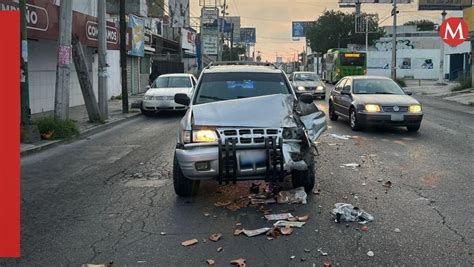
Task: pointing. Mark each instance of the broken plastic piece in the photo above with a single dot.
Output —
(387, 184)
(294, 196)
(286, 230)
(370, 253)
(219, 249)
(322, 252)
(238, 231)
(364, 228)
(215, 237)
(222, 204)
(396, 230)
(302, 218)
(239, 262)
(256, 232)
(351, 165)
(277, 217)
(211, 262)
(188, 243)
(289, 224)
(348, 213)
(341, 137)
(327, 264)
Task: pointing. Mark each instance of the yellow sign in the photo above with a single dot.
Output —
(351, 55)
(469, 18)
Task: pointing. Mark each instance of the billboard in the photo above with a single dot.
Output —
(209, 15)
(299, 28)
(209, 44)
(236, 22)
(188, 41)
(179, 12)
(376, 1)
(444, 4)
(248, 35)
(137, 25)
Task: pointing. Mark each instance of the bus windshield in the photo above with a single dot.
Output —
(352, 59)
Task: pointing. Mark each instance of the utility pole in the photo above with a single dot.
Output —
(30, 133)
(366, 34)
(103, 76)
(441, 53)
(63, 69)
(232, 43)
(221, 31)
(123, 56)
(394, 41)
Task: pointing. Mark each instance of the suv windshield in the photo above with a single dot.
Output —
(377, 86)
(234, 85)
(306, 77)
(171, 82)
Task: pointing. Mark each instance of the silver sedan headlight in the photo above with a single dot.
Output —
(320, 88)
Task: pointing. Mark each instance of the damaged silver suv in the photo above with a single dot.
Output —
(244, 122)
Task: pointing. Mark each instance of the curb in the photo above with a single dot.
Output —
(86, 133)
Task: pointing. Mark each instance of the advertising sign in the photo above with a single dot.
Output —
(209, 44)
(454, 31)
(43, 23)
(188, 41)
(209, 15)
(443, 4)
(179, 12)
(299, 28)
(236, 22)
(248, 35)
(137, 25)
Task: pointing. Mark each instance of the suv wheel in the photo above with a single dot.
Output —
(305, 178)
(355, 126)
(332, 113)
(183, 186)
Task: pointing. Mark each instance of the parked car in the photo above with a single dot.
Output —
(160, 94)
(308, 83)
(372, 100)
(244, 122)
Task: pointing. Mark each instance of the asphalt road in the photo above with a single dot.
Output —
(109, 198)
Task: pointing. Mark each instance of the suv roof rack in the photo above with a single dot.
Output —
(241, 63)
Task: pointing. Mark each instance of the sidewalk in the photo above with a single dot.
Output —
(79, 115)
(431, 88)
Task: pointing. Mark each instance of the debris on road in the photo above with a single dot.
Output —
(396, 230)
(255, 188)
(341, 137)
(322, 252)
(307, 250)
(294, 196)
(222, 204)
(364, 228)
(387, 184)
(207, 214)
(289, 224)
(348, 213)
(350, 165)
(215, 237)
(238, 231)
(188, 243)
(273, 233)
(95, 265)
(370, 253)
(256, 232)
(292, 257)
(162, 233)
(239, 262)
(278, 217)
(210, 262)
(317, 191)
(327, 264)
(286, 230)
(219, 249)
(302, 218)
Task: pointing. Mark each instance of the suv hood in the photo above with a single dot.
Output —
(262, 112)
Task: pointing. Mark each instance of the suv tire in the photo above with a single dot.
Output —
(332, 113)
(183, 186)
(305, 178)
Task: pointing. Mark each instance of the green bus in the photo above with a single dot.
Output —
(338, 63)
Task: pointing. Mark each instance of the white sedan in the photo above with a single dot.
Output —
(160, 95)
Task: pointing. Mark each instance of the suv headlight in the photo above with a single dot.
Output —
(372, 108)
(415, 109)
(301, 88)
(148, 97)
(204, 136)
(320, 88)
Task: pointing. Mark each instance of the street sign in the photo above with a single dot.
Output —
(248, 35)
(444, 4)
(209, 44)
(454, 31)
(299, 28)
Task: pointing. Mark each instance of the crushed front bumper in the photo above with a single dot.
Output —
(229, 161)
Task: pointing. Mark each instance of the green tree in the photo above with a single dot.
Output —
(422, 25)
(236, 52)
(335, 28)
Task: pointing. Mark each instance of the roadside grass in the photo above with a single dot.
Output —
(464, 82)
(53, 129)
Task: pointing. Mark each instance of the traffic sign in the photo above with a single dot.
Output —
(454, 31)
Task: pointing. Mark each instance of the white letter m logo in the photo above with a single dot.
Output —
(453, 34)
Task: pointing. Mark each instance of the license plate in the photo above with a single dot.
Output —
(398, 117)
(252, 157)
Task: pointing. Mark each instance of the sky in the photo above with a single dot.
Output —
(273, 18)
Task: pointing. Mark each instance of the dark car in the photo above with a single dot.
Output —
(372, 100)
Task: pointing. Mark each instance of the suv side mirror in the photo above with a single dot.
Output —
(408, 92)
(182, 99)
(306, 98)
(148, 87)
(290, 79)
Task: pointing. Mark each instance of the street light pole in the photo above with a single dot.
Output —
(441, 53)
(102, 43)
(123, 56)
(394, 42)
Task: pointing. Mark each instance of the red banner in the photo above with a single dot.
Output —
(10, 135)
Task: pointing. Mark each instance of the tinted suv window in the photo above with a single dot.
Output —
(235, 85)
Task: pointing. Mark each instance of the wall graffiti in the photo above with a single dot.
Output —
(401, 44)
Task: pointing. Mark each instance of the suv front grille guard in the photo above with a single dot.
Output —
(228, 166)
